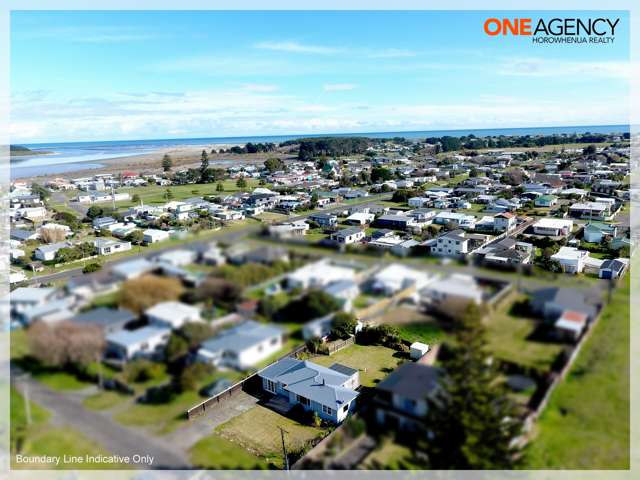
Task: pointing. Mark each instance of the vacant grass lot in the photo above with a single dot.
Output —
(413, 326)
(374, 362)
(586, 423)
(104, 400)
(508, 337)
(217, 453)
(257, 430)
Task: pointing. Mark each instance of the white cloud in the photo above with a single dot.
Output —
(339, 87)
(392, 53)
(542, 67)
(295, 47)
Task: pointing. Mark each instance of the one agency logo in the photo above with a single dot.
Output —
(555, 30)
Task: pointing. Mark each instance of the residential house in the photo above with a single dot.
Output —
(48, 252)
(590, 210)
(553, 227)
(458, 220)
(401, 400)
(329, 392)
(570, 325)
(108, 320)
(107, 246)
(397, 277)
(612, 269)
(545, 201)
(133, 268)
(595, 232)
(318, 274)
(571, 259)
(172, 314)
(324, 220)
(144, 342)
(359, 218)
(504, 222)
(25, 298)
(153, 236)
(347, 236)
(551, 303)
(242, 346)
(395, 222)
(177, 258)
(452, 295)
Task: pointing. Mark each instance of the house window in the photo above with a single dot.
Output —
(274, 340)
(409, 404)
(303, 400)
(270, 385)
(327, 410)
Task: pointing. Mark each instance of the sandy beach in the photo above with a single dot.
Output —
(183, 157)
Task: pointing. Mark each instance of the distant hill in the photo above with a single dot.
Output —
(20, 151)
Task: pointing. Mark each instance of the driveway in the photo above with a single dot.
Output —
(204, 425)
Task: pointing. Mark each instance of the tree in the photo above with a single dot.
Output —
(219, 187)
(177, 347)
(589, 150)
(219, 290)
(241, 183)
(168, 194)
(68, 219)
(343, 325)
(195, 333)
(314, 304)
(167, 163)
(136, 237)
(135, 198)
(204, 167)
(41, 191)
(52, 234)
(191, 376)
(65, 344)
(274, 164)
(472, 423)
(94, 211)
(380, 174)
(141, 293)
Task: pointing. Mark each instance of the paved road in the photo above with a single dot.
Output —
(117, 439)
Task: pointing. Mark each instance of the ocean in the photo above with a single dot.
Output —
(72, 156)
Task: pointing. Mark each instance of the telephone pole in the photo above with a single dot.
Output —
(284, 448)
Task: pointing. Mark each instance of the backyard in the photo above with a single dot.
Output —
(374, 362)
(586, 423)
(509, 336)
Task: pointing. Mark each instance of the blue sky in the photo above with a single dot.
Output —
(132, 75)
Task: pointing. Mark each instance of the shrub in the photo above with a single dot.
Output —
(139, 371)
(91, 267)
(343, 325)
(192, 375)
(141, 293)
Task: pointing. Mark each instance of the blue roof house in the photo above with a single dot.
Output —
(330, 392)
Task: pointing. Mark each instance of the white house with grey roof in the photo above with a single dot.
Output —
(145, 342)
(330, 392)
(172, 314)
(241, 346)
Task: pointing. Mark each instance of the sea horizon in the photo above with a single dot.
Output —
(67, 157)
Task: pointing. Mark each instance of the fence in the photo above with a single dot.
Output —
(333, 347)
(247, 383)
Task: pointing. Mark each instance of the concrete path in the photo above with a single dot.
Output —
(67, 409)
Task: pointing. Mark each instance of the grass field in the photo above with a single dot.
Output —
(104, 400)
(217, 453)
(374, 362)
(257, 430)
(586, 423)
(508, 339)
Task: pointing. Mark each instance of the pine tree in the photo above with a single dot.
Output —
(219, 187)
(471, 421)
(204, 167)
(241, 183)
(167, 163)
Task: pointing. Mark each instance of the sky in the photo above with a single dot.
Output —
(83, 76)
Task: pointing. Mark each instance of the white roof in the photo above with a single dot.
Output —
(398, 276)
(322, 270)
(423, 347)
(457, 284)
(569, 253)
(553, 223)
(172, 311)
(30, 294)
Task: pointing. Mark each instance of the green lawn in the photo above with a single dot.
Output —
(161, 418)
(374, 362)
(61, 380)
(425, 332)
(104, 400)
(586, 423)
(217, 453)
(389, 456)
(257, 431)
(508, 339)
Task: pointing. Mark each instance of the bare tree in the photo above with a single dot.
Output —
(65, 343)
(52, 234)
